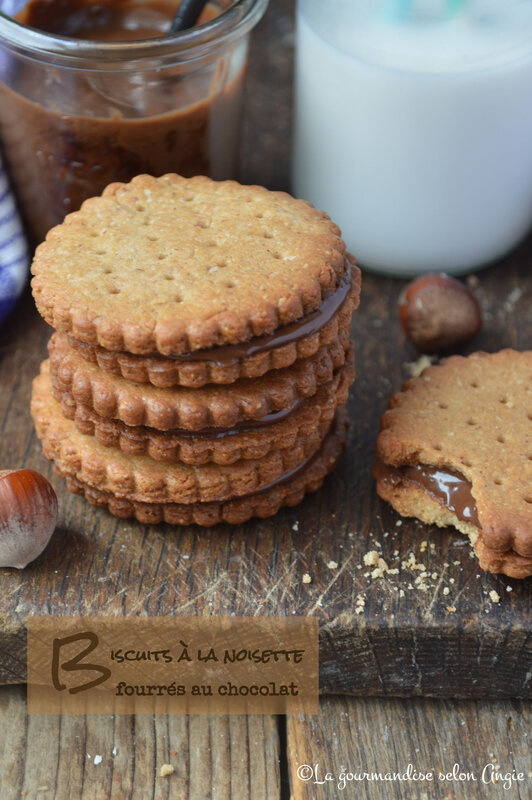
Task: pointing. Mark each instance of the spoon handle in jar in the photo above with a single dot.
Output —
(187, 15)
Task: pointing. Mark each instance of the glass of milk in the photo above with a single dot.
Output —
(413, 127)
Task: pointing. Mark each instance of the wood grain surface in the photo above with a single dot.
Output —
(120, 758)
(402, 641)
(386, 735)
(257, 758)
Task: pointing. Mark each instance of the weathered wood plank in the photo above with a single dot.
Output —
(119, 758)
(386, 735)
(407, 644)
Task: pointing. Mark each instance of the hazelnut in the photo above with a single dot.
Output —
(28, 516)
(438, 313)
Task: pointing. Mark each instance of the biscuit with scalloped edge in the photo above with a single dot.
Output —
(140, 478)
(470, 416)
(216, 406)
(309, 418)
(194, 372)
(170, 265)
(264, 503)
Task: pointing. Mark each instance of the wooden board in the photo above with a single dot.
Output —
(113, 758)
(369, 735)
(402, 642)
(256, 758)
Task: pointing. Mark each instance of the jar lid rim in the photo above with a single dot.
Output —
(238, 18)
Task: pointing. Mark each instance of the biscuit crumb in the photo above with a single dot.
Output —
(411, 563)
(371, 558)
(360, 604)
(451, 609)
(398, 523)
(513, 298)
(380, 569)
(332, 565)
(415, 368)
(446, 590)
(295, 526)
(306, 578)
(166, 769)
(420, 583)
(494, 597)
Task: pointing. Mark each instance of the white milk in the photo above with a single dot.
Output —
(416, 136)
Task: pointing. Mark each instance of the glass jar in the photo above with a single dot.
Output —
(76, 115)
(413, 128)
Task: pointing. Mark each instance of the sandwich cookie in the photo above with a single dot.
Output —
(252, 359)
(288, 491)
(309, 418)
(202, 351)
(172, 265)
(216, 406)
(455, 449)
(141, 480)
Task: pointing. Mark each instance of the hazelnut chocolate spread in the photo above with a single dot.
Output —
(293, 473)
(451, 489)
(225, 354)
(240, 427)
(104, 21)
(67, 133)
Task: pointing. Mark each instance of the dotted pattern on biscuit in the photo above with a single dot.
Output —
(473, 415)
(172, 265)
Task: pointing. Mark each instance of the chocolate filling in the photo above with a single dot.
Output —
(293, 332)
(227, 354)
(246, 426)
(451, 489)
(293, 473)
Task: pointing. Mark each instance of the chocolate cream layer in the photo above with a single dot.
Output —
(451, 489)
(286, 334)
(247, 426)
(338, 421)
(225, 355)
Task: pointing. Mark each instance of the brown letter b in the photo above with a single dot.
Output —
(73, 665)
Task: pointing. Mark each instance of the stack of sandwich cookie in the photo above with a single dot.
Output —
(202, 351)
